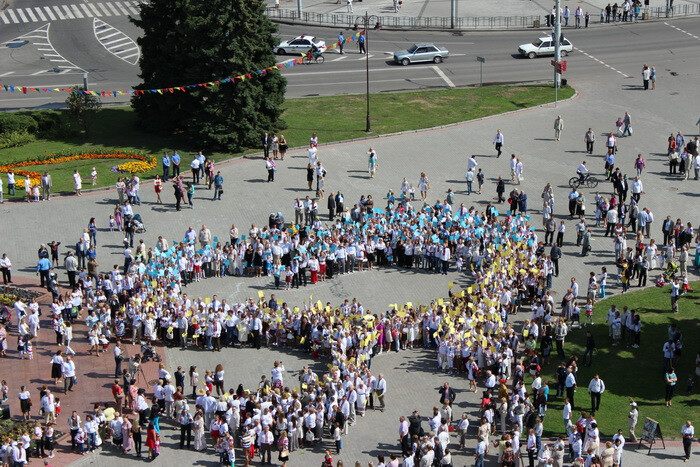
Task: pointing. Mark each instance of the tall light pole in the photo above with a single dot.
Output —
(556, 36)
(366, 18)
(299, 8)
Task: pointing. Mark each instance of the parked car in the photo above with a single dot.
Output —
(421, 53)
(300, 44)
(545, 46)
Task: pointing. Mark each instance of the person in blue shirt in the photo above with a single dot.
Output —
(175, 159)
(166, 166)
(361, 44)
(341, 41)
(218, 185)
(42, 269)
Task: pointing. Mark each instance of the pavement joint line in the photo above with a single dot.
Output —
(50, 14)
(442, 75)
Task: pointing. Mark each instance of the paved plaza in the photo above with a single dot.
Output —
(441, 153)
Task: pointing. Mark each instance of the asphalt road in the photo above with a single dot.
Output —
(59, 51)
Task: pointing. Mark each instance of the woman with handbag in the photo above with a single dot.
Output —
(283, 446)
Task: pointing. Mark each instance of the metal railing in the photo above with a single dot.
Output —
(408, 22)
(687, 9)
(441, 22)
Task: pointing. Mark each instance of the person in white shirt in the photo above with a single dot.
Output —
(498, 142)
(688, 432)
(276, 372)
(596, 388)
(566, 415)
(381, 391)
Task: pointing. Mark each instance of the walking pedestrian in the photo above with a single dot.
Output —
(498, 142)
(558, 127)
(688, 432)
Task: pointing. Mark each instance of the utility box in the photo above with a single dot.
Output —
(536, 24)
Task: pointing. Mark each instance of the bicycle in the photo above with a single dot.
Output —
(589, 181)
(317, 59)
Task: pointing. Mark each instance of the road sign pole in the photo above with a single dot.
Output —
(299, 8)
(85, 81)
(557, 51)
(481, 61)
(453, 10)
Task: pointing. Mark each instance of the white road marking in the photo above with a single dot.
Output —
(49, 13)
(121, 7)
(21, 15)
(87, 11)
(40, 13)
(6, 74)
(76, 11)
(442, 75)
(601, 62)
(122, 46)
(111, 7)
(13, 17)
(4, 18)
(342, 57)
(104, 8)
(331, 83)
(58, 12)
(39, 72)
(133, 6)
(365, 57)
(31, 15)
(121, 39)
(67, 12)
(94, 9)
(682, 30)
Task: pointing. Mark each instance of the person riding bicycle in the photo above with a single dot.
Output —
(312, 53)
(583, 172)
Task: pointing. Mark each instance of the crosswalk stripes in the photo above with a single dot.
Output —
(116, 42)
(70, 11)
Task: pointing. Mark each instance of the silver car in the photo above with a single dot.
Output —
(421, 53)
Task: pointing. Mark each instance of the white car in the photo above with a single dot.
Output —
(299, 45)
(545, 46)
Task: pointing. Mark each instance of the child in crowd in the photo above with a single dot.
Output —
(93, 175)
(589, 312)
(112, 223)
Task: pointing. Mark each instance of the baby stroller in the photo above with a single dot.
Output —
(139, 226)
(670, 271)
(149, 353)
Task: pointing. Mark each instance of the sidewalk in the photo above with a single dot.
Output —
(94, 374)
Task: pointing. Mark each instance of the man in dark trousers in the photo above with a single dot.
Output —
(555, 254)
(447, 394)
(266, 143)
(185, 420)
(331, 206)
(500, 189)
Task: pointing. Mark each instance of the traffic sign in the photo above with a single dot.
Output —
(481, 59)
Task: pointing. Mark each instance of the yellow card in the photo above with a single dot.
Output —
(462, 320)
(207, 300)
(409, 304)
(440, 301)
(469, 290)
(279, 302)
(450, 285)
(296, 309)
(261, 294)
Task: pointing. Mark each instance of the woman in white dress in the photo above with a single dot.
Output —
(243, 331)
(78, 182)
(275, 146)
(423, 186)
(200, 444)
(652, 251)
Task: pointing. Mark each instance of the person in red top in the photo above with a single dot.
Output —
(152, 441)
(118, 394)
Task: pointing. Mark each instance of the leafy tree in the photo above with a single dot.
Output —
(188, 42)
(83, 107)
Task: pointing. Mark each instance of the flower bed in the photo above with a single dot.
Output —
(139, 163)
(9, 295)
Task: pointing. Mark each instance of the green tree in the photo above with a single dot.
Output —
(189, 41)
(83, 107)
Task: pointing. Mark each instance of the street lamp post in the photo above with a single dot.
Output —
(366, 18)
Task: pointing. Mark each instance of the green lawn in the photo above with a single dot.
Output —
(333, 118)
(634, 373)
